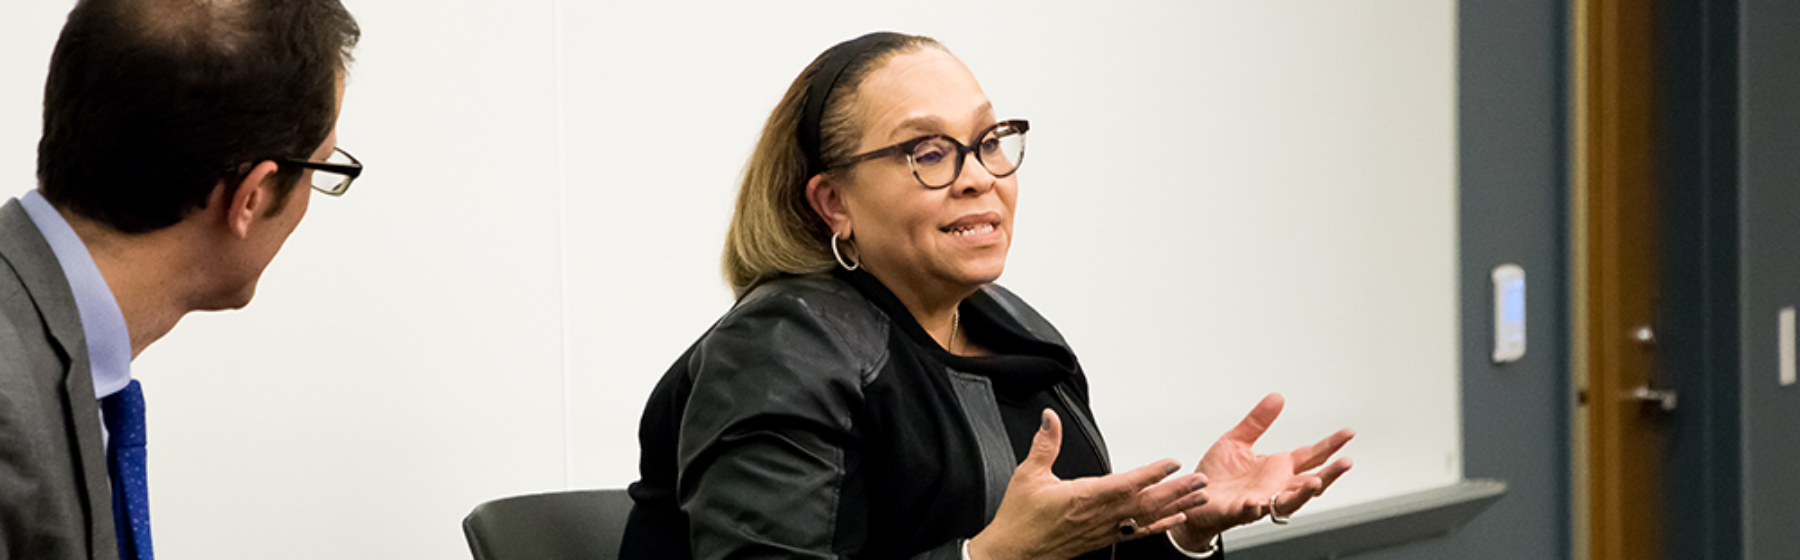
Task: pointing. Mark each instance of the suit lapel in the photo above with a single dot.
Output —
(26, 251)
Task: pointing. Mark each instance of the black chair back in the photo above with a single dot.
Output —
(583, 524)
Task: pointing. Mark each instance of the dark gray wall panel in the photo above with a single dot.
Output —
(1770, 121)
(1697, 342)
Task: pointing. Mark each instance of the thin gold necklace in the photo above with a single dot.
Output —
(955, 321)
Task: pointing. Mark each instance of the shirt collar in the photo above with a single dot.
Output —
(108, 338)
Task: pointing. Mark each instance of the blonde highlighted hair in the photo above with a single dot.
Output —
(774, 230)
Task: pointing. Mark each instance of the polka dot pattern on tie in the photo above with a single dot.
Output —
(125, 461)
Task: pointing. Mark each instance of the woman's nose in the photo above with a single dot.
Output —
(974, 180)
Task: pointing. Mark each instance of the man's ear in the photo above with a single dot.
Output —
(252, 198)
(826, 195)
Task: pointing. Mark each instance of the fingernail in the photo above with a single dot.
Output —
(1044, 420)
(1171, 468)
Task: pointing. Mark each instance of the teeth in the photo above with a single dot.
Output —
(972, 230)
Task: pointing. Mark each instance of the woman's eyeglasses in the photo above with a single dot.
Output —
(937, 159)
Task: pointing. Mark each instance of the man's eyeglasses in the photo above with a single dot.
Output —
(332, 176)
(937, 159)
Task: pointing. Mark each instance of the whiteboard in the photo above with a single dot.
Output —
(1221, 200)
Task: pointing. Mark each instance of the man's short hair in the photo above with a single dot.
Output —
(151, 103)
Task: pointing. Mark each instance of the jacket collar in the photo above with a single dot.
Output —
(991, 306)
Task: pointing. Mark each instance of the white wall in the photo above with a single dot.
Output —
(1221, 200)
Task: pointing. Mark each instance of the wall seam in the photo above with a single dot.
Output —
(562, 228)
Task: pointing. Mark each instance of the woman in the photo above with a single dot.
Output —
(874, 394)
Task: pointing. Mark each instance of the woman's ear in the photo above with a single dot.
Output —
(827, 198)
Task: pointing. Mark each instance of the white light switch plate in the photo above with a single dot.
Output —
(1787, 346)
(1509, 313)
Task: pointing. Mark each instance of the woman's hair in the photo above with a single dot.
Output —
(774, 230)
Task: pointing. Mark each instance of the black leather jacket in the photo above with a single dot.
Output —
(810, 422)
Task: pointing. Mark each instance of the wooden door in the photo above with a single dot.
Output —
(1619, 404)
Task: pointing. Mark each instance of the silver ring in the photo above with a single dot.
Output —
(1128, 527)
(1275, 516)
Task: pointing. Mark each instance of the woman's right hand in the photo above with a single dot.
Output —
(1043, 516)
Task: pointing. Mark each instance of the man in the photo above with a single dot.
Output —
(180, 141)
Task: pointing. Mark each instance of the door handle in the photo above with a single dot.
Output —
(1664, 398)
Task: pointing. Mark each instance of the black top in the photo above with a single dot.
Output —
(1024, 371)
(817, 419)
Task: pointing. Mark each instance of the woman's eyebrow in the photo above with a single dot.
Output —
(929, 124)
(985, 110)
(926, 124)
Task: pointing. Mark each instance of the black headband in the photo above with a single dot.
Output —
(818, 91)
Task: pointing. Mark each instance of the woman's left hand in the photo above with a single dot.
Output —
(1242, 482)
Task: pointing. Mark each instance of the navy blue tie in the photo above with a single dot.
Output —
(124, 413)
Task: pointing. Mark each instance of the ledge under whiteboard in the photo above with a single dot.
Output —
(1365, 527)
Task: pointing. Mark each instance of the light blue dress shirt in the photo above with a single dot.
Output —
(108, 339)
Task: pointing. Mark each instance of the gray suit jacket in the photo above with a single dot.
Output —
(55, 501)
